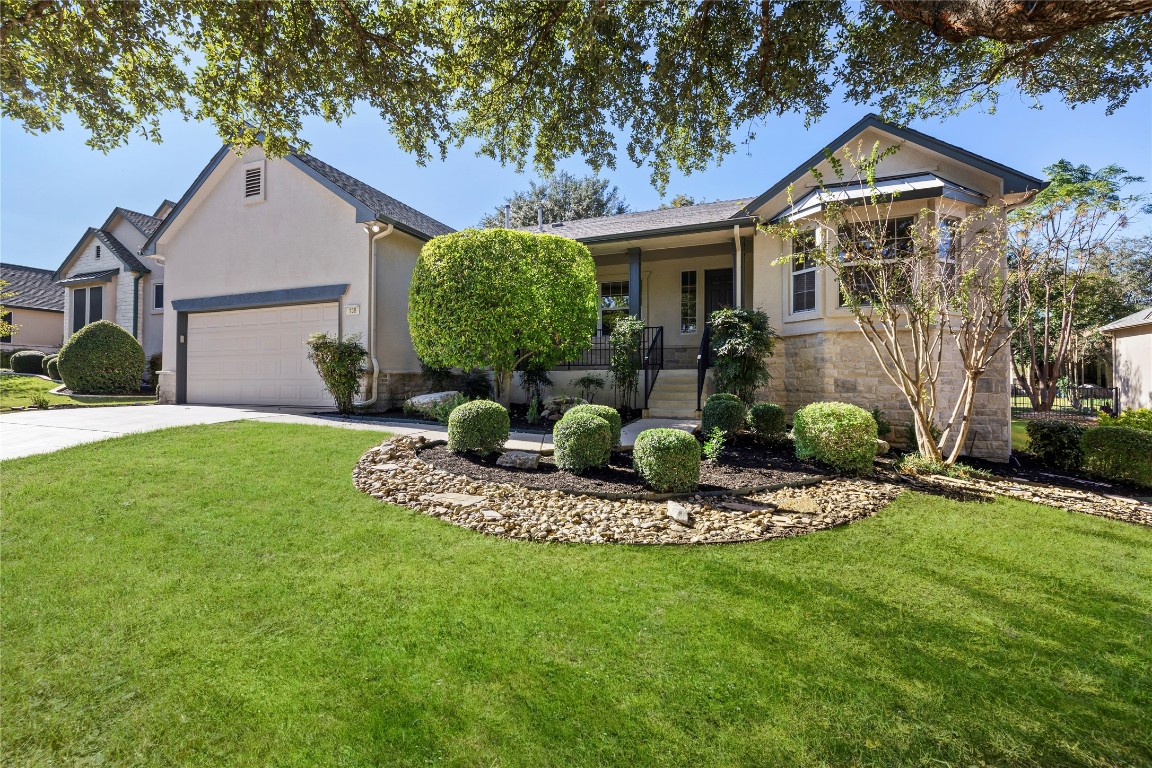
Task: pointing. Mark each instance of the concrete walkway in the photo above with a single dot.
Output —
(630, 431)
(26, 433)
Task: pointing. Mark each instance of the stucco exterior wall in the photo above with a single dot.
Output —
(39, 329)
(1132, 366)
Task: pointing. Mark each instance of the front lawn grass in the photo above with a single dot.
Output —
(17, 391)
(1020, 439)
(221, 595)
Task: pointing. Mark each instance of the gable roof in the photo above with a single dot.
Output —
(1014, 180)
(1141, 317)
(661, 221)
(370, 203)
(33, 286)
(142, 221)
(126, 257)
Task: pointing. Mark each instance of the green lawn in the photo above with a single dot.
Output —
(221, 595)
(18, 390)
(1020, 441)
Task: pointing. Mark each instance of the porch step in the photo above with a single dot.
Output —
(674, 395)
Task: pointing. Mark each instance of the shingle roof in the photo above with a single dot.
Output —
(385, 206)
(91, 277)
(33, 287)
(142, 221)
(1143, 317)
(122, 253)
(611, 227)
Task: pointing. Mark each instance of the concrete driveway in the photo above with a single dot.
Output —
(25, 433)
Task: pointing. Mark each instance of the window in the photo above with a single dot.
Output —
(254, 182)
(613, 303)
(158, 297)
(87, 306)
(879, 243)
(7, 319)
(688, 302)
(803, 273)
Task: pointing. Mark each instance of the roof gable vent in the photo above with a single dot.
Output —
(254, 182)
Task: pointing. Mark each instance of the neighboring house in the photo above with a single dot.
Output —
(105, 279)
(1132, 358)
(37, 308)
(262, 252)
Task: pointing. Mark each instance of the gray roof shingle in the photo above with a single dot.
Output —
(385, 206)
(1142, 317)
(102, 276)
(33, 287)
(142, 221)
(134, 264)
(611, 227)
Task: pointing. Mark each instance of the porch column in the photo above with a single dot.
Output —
(737, 268)
(634, 282)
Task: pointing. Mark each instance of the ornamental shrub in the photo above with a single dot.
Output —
(6, 356)
(1056, 444)
(627, 342)
(489, 298)
(481, 426)
(583, 441)
(1133, 418)
(28, 361)
(53, 368)
(742, 340)
(668, 460)
(722, 411)
(767, 421)
(609, 414)
(47, 359)
(100, 359)
(840, 435)
(338, 361)
(1119, 453)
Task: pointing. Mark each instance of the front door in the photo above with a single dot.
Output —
(717, 290)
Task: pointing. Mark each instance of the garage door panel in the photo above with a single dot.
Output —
(257, 356)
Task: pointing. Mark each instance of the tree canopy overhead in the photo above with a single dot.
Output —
(565, 197)
(537, 81)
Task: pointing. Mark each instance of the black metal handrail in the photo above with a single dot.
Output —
(703, 362)
(653, 361)
(599, 351)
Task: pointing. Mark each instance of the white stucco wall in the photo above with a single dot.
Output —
(1132, 366)
(40, 329)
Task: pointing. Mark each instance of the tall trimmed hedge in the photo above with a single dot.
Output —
(1119, 453)
(494, 298)
(101, 358)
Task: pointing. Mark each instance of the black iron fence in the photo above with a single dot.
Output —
(599, 351)
(1075, 403)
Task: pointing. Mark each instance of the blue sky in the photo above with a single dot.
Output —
(52, 187)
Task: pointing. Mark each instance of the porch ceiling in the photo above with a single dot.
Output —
(676, 246)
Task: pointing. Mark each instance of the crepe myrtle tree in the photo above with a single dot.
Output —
(914, 285)
(497, 298)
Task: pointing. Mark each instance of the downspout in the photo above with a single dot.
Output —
(135, 303)
(375, 232)
(738, 270)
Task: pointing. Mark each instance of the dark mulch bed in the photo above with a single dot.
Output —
(1025, 467)
(743, 465)
(517, 414)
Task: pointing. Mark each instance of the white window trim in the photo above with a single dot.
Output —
(252, 200)
(156, 310)
(790, 315)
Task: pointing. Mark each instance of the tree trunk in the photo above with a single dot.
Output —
(1011, 21)
(502, 382)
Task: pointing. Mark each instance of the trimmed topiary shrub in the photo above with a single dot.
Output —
(1119, 453)
(840, 435)
(1133, 418)
(668, 460)
(28, 361)
(481, 426)
(583, 441)
(6, 356)
(52, 368)
(1056, 444)
(724, 412)
(47, 359)
(767, 421)
(101, 358)
(606, 412)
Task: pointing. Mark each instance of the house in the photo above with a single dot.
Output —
(104, 278)
(37, 308)
(261, 252)
(1132, 358)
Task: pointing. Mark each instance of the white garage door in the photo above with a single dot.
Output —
(257, 356)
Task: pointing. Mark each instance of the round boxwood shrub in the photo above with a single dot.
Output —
(723, 411)
(1119, 453)
(481, 426)
(52, 369)
(583, 441)
(1056, 444)
(28, 361)
(668, 460)
(606, 412)
(101, 358)
(840, 435)
(767, 421)
(47, 359)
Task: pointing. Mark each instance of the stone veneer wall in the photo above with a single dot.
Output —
(840, 365)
